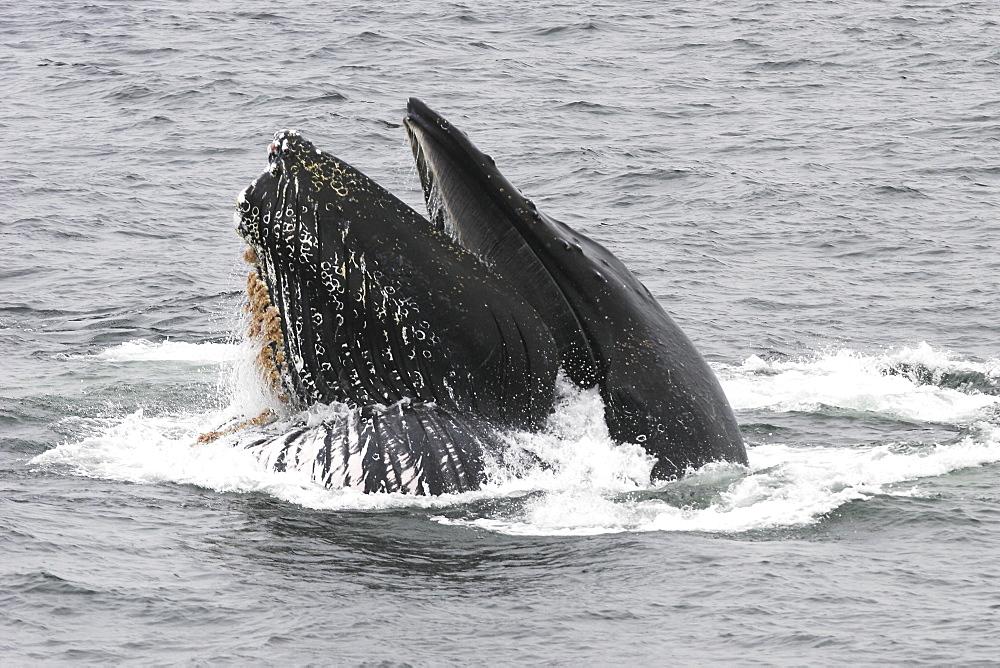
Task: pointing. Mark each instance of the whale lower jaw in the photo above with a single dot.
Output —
(609, 330)
(415, 448)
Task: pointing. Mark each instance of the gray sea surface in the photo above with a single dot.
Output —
(811, 189)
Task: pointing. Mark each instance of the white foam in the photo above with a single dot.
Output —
(576, 450)
(785, 486)
(142, 350)
(151, 450)
(571, 479)
(858, 382)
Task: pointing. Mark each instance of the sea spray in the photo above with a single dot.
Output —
(570, 478)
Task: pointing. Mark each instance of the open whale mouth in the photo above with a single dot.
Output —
(365, 289)
(311, 291)
(461, 322)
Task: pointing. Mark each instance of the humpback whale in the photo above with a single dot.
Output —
(358, 301)
(658, 390)
(406, 348)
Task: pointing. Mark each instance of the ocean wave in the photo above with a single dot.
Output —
(914, 383)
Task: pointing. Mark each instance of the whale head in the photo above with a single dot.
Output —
(356, 298)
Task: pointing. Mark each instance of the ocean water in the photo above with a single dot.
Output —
(812, 189)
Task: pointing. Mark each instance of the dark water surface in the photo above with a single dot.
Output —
(812, 189)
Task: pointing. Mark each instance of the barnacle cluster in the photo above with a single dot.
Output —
(264, 329)
(265, 324)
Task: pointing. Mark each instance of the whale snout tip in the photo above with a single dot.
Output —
(420, 114)
(289, 143)
(286, 139)
(280, 144)
(416, 105)
(286, 133)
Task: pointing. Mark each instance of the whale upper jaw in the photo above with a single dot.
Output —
(376, 305)
(276, 216)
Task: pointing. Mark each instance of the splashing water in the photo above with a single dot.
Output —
(570, 478)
